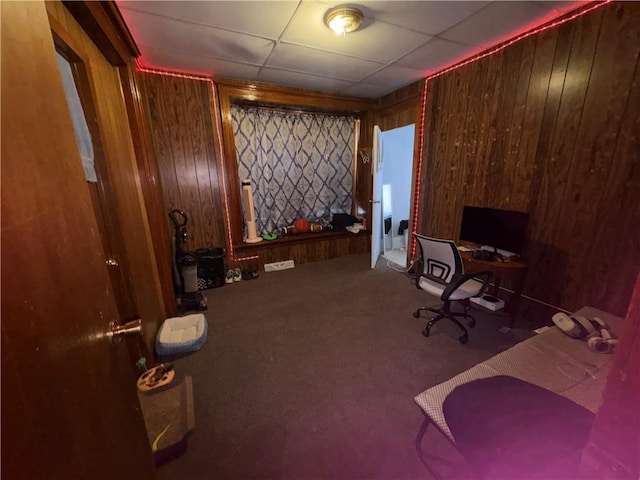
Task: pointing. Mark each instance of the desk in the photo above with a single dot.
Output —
(512, 270)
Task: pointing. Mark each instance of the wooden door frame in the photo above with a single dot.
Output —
(106, 27)
(101, 192)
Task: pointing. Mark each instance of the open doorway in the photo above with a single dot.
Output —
(397, 161)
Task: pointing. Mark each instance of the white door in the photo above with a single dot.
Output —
(376, 204)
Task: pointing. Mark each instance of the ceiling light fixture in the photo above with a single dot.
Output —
(343, 19)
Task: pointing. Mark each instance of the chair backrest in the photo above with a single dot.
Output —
(440, 258)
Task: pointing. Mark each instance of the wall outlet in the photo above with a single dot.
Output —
(273, 267)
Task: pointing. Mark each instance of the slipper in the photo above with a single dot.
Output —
(249, 274)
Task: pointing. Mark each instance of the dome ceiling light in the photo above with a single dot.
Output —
(343, 19)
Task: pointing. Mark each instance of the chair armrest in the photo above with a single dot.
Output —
(484, 276)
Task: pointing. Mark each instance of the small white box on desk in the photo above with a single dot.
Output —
(488, 301)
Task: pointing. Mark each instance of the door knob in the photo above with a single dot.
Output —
(374, 201)
(112, 262)
(117, 331)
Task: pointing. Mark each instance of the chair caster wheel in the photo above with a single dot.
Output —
(425, 332)
(416, 314)
(472, 322)
(463, 339)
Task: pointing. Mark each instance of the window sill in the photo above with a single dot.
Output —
(295, 239)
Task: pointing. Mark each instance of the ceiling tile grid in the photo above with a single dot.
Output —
(287, 42)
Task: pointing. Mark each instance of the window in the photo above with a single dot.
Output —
(80, 127)
(300, 164)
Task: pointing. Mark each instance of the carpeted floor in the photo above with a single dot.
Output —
(310, 373)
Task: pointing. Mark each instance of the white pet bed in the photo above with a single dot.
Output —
(181, 334)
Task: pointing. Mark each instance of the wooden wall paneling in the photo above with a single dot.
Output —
(616, 237)
(419, 179)
(151, 185)
(463, 145)
(201, 141)
(480, 92)
(219, 237)
(172, 96)
(497, 193)
(278, 95)
(519, 190)
(604, 106)
(555, 176)
(438, 166)
(539, 243)
(517, 72)
(525, 174)
(399, 102)
(219, 174)
(429, 169)
(486, 132)
(471, 142)
(179, 117)
(453, 183)
(455, 149)
(226, 94)
(538, 86)
(188, 191)
(515, 132)
(542, 124)
(156, 94)
(193, 171)
(442, 187)
(490, 120)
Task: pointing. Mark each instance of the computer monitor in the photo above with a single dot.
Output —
(504, 230)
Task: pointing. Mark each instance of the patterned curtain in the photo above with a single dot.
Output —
(300, 165)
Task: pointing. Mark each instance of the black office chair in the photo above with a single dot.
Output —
(442, 275)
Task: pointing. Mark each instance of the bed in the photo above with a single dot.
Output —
(550, 361)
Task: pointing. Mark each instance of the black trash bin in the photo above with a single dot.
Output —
(210, 267)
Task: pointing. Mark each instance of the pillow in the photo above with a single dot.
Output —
(508, 428)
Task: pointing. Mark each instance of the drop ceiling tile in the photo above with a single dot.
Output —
(366, 90)
(301, 80)
(392, 75)
(266, 19)
(179, 61)
(430, 17)
(560, 7)
(495, 23)
(160, 32)
(308, 60)
(377, 41)
(395, 34)
(434, 55)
